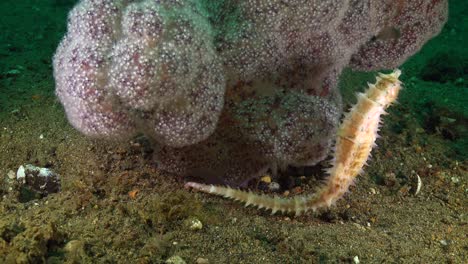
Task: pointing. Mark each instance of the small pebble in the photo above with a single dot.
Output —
(202, 261)
(266, 179)
(356, 260)
(175, 260)
(11, 175)
(193, 224)
(74, 246)
(274, 186)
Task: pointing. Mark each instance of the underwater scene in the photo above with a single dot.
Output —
(233, 131)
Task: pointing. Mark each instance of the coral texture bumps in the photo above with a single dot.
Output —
(228, 88)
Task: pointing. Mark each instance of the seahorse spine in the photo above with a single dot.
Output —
(355, 139)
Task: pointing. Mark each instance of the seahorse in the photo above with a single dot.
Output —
(353, 145)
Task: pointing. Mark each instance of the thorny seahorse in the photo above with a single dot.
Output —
(355, 139)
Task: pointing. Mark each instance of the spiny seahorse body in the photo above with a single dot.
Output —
(355, 140)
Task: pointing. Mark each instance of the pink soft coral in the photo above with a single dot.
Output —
(230, 87)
